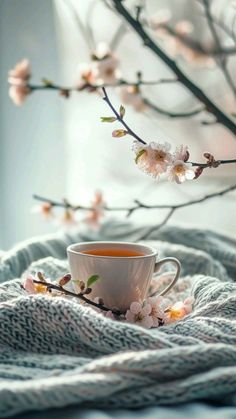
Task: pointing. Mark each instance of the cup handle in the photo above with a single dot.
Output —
(161, 262)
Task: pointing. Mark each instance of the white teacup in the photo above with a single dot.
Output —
(122, 279)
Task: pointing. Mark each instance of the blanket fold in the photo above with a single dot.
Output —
(56, 352)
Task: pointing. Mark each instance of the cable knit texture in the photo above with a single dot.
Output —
(55, 352)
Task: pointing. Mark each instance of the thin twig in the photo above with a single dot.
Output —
(211, 107)
(176, 207)
(156, 228)
(120, 119)
(172, 114)
(80, 295)
(216, 164)
(93, 86)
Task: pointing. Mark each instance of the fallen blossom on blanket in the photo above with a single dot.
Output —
(178, 310)
(140, 314)
(158, 306)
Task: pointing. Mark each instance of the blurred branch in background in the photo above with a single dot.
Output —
(104, 67)
(221, 59)
(49, 204)
(211, 107)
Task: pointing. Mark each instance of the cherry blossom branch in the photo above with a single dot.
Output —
(196, 91)
(138, 204)
(211, 162)
(80, 295)
(214, 163)
(49, 85)
(65, 91)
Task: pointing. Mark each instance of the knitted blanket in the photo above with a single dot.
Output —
(55, 352)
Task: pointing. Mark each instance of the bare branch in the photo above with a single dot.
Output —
(210, 106)
(172, 114)
(219, 59)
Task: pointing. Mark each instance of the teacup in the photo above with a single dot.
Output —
(125, 270)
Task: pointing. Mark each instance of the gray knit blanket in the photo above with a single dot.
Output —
(55, 352)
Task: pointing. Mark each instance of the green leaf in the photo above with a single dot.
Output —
(108, 118)
(92, 280)
(122, 111)
(140, 153)
(233, 114)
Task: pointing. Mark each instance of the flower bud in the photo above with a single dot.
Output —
(87, 291)
(65, 279)
(207, 155)
(40, 276)
(82, 285)
(119, 133)
(198, 172)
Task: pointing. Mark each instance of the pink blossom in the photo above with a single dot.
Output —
(18, 78)
(105, 71)
(31, 287)
(20, 73)
(140, 314)
(86, 74)
(45, 209)
(103, 68)
(96, 213)
(130, 95)
(179, 310)
(109, 315)
(180, 171)
(153, 158)
(18, 93)
(178, 47)
(158, 306)
(181, 153)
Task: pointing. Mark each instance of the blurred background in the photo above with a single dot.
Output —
(59, 148)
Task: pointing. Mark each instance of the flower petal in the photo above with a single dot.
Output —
(135, 307)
